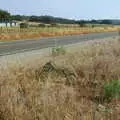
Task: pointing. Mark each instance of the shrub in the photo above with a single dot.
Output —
(93, 26)
(23, 25)
(42, 25)
(112, 89)
(53, 25)
(82, 25)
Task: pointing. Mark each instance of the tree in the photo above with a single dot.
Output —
(106, 22)
(4, 15)
(20, 17)
(17, 17)
(82, 23)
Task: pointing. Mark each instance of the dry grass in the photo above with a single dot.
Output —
(8, 34)
(70, 87)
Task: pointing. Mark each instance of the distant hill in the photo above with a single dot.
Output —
(50, 19)
(115, 22)
(4, 15)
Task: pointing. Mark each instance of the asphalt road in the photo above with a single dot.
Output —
(13, 47)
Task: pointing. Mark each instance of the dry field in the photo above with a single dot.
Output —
(62, 87)
(8, 34)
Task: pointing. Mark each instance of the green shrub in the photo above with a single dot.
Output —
(112, 89)
(23, 25)
(42, 25)
(82, 25)
(53, 25)
(58, 51)
(93, 26)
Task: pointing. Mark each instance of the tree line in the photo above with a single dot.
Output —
(6, 16)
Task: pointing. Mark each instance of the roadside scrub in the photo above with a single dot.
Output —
(70, 86)
(17, 33)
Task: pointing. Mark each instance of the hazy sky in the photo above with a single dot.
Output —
(76, 9)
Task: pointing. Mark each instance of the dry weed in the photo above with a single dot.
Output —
(41, 92)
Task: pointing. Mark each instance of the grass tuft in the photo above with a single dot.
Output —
(112, 89)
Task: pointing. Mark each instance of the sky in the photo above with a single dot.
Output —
(73, 9)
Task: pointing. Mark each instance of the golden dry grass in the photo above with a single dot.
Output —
(8, 34)
(70, 87)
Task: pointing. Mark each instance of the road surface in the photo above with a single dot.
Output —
(7, 48)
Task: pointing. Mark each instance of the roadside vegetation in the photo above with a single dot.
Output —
(17, 33)
(82, 84)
